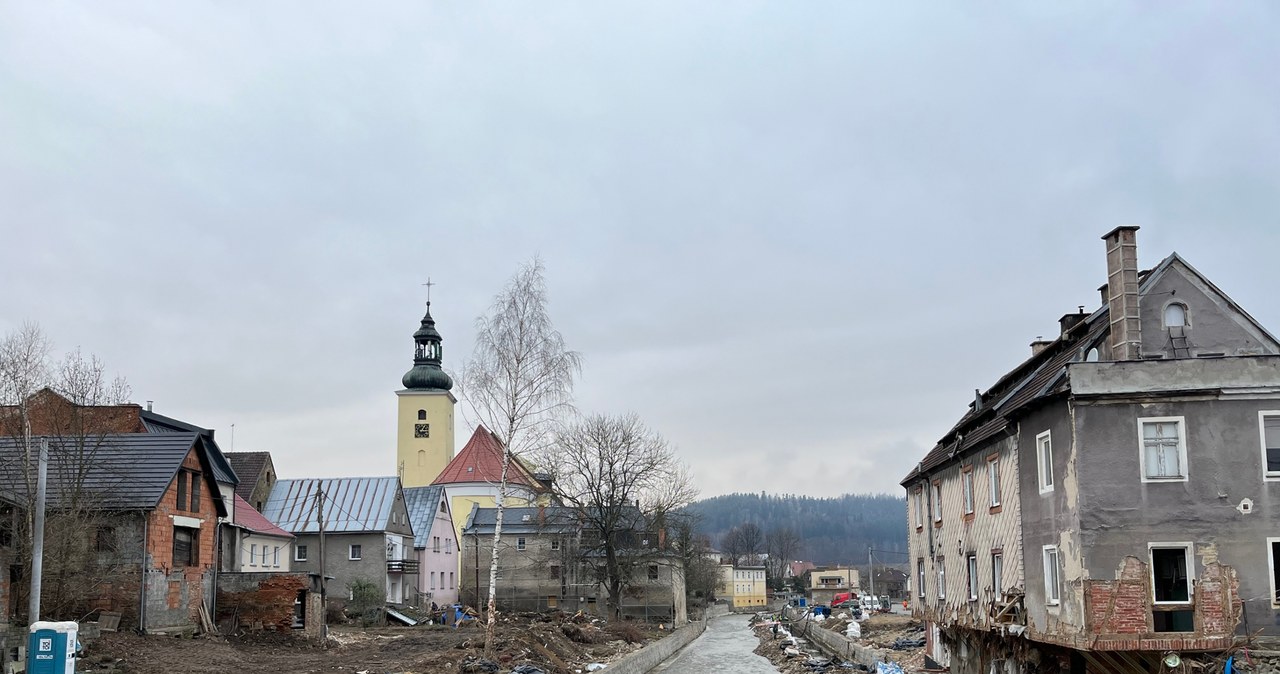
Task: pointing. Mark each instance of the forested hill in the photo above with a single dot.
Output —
(834, 530)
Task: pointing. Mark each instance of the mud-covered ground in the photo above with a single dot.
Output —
(555, 643)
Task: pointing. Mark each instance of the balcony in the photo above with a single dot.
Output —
(402, 566)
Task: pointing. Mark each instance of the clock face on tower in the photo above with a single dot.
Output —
(422, 430)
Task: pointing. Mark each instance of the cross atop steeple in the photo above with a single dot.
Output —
(428, 284)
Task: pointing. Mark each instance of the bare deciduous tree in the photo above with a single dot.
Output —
(74, 413)
(700, 571)
(782, 545)
(518, 383)
(624, 480)
(743, 542)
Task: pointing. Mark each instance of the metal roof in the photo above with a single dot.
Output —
(125, 471)
(522, 520)
(351, 504)
(158, 423)
(423, 503)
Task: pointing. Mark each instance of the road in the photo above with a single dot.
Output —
(725, 648)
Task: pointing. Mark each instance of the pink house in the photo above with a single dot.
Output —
(434, 545)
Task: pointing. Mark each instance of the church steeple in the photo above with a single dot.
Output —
(426, 374)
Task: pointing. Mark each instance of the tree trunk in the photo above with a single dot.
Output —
(492, 614)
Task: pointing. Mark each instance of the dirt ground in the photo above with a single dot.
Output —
(555, 643)
(881, 630)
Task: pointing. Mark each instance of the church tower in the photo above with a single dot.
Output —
(424, 428)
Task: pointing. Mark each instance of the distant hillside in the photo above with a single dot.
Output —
(835, 530)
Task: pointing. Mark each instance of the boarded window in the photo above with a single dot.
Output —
(186, 547)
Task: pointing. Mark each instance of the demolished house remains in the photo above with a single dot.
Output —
(1106, 503)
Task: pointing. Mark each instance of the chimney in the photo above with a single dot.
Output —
(1039, 345)
(1122, 293)
(1069, 321)
(148, 405)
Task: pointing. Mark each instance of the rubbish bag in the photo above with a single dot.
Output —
(527, 669)
(853, 631)
(888, 668)
(475, 665)
(595, 667)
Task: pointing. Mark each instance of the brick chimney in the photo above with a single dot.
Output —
(1122, 293)
(1039, 345)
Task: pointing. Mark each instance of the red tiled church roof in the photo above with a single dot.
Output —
(481, 461)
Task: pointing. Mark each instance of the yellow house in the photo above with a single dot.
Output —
(743, 586)
(826, 582)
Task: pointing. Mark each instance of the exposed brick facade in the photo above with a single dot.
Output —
(260, 600)
(51, 414)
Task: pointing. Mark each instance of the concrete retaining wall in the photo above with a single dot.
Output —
(837, 644)
(645, 659)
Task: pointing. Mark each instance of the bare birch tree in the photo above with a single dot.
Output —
(518, 383)
(625, 481)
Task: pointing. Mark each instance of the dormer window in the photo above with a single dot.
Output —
(1175, 315)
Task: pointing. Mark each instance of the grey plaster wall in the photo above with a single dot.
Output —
(1122, 514)
(372, 564)
(1213, 326)
(1051, 518)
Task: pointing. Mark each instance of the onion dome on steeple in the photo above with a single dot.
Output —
(426, 373)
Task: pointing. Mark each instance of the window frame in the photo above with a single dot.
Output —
(521, 543)
(920, 575)
(1052, 592)
(919, 501)
(1272, 542)
(1267, 476)
(942, 577)
(299, 553)
(1181, 422)
(193, 549)
(1189, 554)
(1044, 462)
(253, 554)
(354, 552)
(993, 482)
(997, 573)
(937, 503)
(966, 489)
(971, 566)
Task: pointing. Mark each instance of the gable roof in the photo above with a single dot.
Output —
(248, 518)
(126, 471)
(481, 461)
(351, 504)
(158, 423)
(552, 519)
(1044, 374)
(248, 467)
(423, 503)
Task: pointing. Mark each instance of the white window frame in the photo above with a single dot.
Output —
(919, 499)
(520, 543)
(966, 488)
(1271, 569)
(299, 553)
(993, 480)
(1262, 442)
(971, 561)
(1044, 462)
(1189, 550)
(1182, 449)
(920, 576)
(253, 554)
(942, 578)
(937, 501)
(354, 552)
(997, 573)
(1052, 591)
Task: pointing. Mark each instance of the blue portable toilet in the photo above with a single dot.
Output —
(802, 602)
(51, 647)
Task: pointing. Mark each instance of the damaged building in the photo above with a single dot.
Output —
(1106, 505)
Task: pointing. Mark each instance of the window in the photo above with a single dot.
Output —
(253, 555)
(937, 502)
(920, 507)
(920, 576)
(1269, 430)
(433, 580)
(1170, 577)
(195, 493)
(186, 547)
(966, 485)
(354, 552)
(555, 544)
(275, 556)
(555, 570)
(972, 562)
(422, 415)
(942, 579)
(1164, 449)
(450, 580)
(520, 543)
(653, 572)
(1052, 583)
(997, 573)
(1175, 315)
(993, 480)
(106, 539)
(182, 490)
(1044, 461)
(1273, 559)
(448, 546)
(265, 551)
(1092, 355)
(435, 542)
(442, 507)
(300, 553)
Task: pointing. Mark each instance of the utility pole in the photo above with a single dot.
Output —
(324, 601)
(37, 543)
(871, 568)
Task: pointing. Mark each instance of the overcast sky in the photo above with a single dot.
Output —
(794, 237)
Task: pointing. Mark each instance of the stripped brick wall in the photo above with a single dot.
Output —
(260, 600)
(174, 594)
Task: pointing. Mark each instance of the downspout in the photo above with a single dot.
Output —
(142, 586)
(217, 566)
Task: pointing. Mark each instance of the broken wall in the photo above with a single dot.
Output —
(260, 600)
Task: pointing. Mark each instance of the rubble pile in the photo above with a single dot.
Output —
(793, 655)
